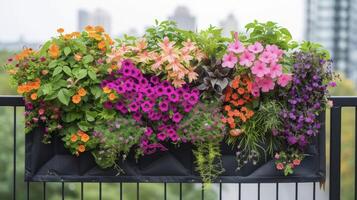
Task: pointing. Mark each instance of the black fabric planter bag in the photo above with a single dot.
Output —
(52, 162)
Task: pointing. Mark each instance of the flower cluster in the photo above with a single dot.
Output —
(262, 62)
(78, 142)
(237, 96)
(287, 162)
(149, 100)
(172, 59)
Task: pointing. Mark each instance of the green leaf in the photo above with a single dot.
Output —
(72, 116)
(87, 59)
(59, 84)
(57, 71)
(67, 70)
(52, 64)
(47, 88)
(44, 48)
(50, 96)
(67, 51)
(90, 116)
(92, 75)
(81, 73)
(63, 96)
(96, 91)
(84, 126)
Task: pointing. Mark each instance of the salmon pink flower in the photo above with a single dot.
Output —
(296, 162)
(255, 48)
(166, 45)
(275, 70)
(229, 60)
(189, 46)
(284, 80)
(260, 69)
(280, 166)
(246, 59)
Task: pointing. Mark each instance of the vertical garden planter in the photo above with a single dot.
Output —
(52, 162)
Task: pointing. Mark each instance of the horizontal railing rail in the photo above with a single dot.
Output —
(335, 156)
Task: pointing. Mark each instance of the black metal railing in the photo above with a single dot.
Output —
(333, 179)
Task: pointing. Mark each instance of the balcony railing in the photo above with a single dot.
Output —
(16, 186)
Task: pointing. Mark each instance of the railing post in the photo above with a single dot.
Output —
(335, 153)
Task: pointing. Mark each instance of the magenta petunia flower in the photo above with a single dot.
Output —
(164, 106)
(148, 132)
(108, 105)
(176, 117)
(154, 80)
(161, 136)
(137, 116)
(134, 106)
(146, 106)
(173, 96)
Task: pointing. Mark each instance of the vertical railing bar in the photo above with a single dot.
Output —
(355, 153)
(82, 197)
(44, 190)
(335, 153)
(180, 191)
(277, 191)
(27, 190)
(165, 192)
(137, 191)
(121, 190)
(220, 191)
(258, 191)
(314, 192)
(296, 190)
(239, 191)
(62, 190)
(203, 191)
(100, 190)
(14, 159)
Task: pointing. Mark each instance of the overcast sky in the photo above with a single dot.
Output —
(37, 20)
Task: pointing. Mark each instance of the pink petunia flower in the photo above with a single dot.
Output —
(274, 50)
(255, 89)
(267, 57)
(229, 60)
(236, 47)
(280, 166)
(275, 70)
(284, 79)
(260, 69)
(257, 47)
(266, 84)
(246, 59)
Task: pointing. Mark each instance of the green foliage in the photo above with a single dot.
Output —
(212, 42)
(269, 33)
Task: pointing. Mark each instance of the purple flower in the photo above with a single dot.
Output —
(29, 106)
(120, 89)
(193, 99)
(108, 105)
(159, 90)
(143, 82)
(154, 80)
(137, 116)
(173, 96)
(146, 106)
(161, 136)
(177, 117)
(292, 140)
(148, 132)
(134, 106)
(164, 106)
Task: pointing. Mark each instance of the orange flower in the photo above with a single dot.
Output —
(241, 91)
(107, 90)
(80, 133)
(235, 132)
(77, 57)
(60, 30)
(54, 50)
(235, 83)
(224, 120)
(34, 96)
(82, 92)
(234, 96)
(76, 99)
(230, 120)
(101, 45)
(99, 29)
(81, 148)
(68, 36)
(74, 138)
(227, 108)
(76, 34)
(84, 138)
(89, 28)
(112, 96)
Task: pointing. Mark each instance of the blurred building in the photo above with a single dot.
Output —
(333, 23)
(98, 17)
(184, 19)
(18, 45)
(229, 24)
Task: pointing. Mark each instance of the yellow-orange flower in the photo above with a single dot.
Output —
(12, 71)
(77, 57)
(101, 45)
(54, 50)
(89, 28)
(60, 30)
(84, 137)
(34, 96)
(23, 54)
(99, 29)
(82, 92)
(112, 96)
(74, 138)
(80, 133)
(76, 99)
(68, 36)
(81, 148)
(76, 34)
(107, 90)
